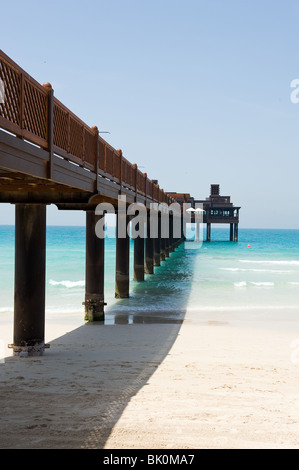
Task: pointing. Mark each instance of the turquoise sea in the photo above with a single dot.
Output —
(212, 281)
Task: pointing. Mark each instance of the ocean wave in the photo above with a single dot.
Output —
(6, 309)
(236, 308)
(258, 284)
(232, 269)
(263, 284)
(244, 270)
(67, 284)
(60, 310)
(282, 262)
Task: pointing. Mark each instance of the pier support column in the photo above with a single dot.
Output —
(231, 232)
(183, 228)
(166, 233)
(157, 244)
(149, 248)
(139, 259)
(94, 271)
(162, 248)
(167, 242)
(122, 282)
(30, 270)
(236, 233)
(167, 247)
(197, 232)
(171, 240)
(208, 231)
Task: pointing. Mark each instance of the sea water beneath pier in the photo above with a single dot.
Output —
(218, 281)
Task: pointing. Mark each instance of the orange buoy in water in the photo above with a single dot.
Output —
(248, 246)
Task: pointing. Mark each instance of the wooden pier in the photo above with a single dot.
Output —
(48, 155)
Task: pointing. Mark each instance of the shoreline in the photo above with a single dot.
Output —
(214, 384)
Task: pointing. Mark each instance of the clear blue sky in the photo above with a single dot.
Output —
(195, 92)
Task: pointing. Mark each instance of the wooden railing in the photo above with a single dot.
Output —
(30, 111)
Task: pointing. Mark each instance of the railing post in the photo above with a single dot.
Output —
(97, 160)
(105, 158)
(22, 104)
(120, 169)
(68, 133)
(135, 180)
(50, 91)
(83, 143)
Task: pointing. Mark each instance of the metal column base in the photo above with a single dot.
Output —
(122, 286)
(94, 307)
(29, 350)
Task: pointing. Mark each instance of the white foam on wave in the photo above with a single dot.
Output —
(67, 284)
(263, 284)
(279, 262)
(236, 308)
(6, 309)
(250, 270)
(60, 310)
(258, 284)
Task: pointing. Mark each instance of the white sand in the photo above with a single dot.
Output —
(199, 385)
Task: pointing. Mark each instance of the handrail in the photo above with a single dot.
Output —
(31, 112)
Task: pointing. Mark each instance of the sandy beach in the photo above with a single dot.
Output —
(149, 168)
(151, 384)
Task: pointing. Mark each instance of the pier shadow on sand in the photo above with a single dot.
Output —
(73, 396)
